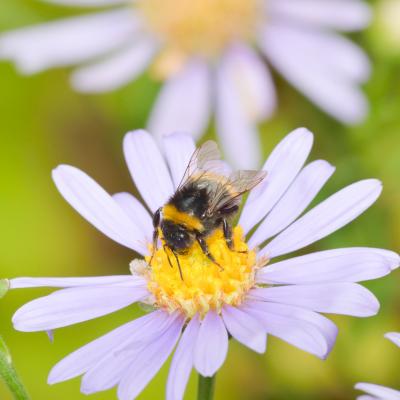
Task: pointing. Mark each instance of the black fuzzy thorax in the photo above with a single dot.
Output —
(195, 198)
(192, 199)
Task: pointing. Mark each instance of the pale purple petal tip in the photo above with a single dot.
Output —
(338, 265)
(70, 306)
(381, 392)
(98, 207)
(245, 328)
(304, 329)
(395, 260)
(327, 217)
(394, 337)
(333, 298)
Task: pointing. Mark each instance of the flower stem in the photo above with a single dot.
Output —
(206, 386)
(9, 374)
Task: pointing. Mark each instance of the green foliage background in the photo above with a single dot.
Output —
(43, 122)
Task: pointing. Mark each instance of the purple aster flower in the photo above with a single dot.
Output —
(248, 298)
(378, 392)
(209, 52)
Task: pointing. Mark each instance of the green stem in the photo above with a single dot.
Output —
(206, 387)
(9, 374)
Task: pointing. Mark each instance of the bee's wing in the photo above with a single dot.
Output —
(244, 180)
(205, 158)
(230, 190)
(207, 152)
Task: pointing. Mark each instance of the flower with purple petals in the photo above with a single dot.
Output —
(378, 392)
(209, 52)
(250, 297)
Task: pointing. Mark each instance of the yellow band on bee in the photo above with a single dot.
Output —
(170, 212)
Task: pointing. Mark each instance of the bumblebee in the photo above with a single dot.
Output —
(207, 198)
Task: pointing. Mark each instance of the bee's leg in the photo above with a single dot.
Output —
(204, 247)
(156, 224)
(179, 265)
(155, 239)
(226, 227)
(227, 233)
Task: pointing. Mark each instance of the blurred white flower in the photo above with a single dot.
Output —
(387, 22)
(212, 57)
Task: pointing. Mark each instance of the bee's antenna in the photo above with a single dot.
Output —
(179, 265)
(165, 247)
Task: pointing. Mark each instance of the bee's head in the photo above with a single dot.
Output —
(177, 236)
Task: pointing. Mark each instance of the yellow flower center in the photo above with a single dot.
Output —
(200, 27)
(205, 285)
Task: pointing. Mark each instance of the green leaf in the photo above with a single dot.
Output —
(9, 374)
(4, 352)
(4, 286)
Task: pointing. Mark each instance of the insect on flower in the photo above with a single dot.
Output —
(207, 198)
(252, 297)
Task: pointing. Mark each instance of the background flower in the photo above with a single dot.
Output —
(283, 299)
(204, 51)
